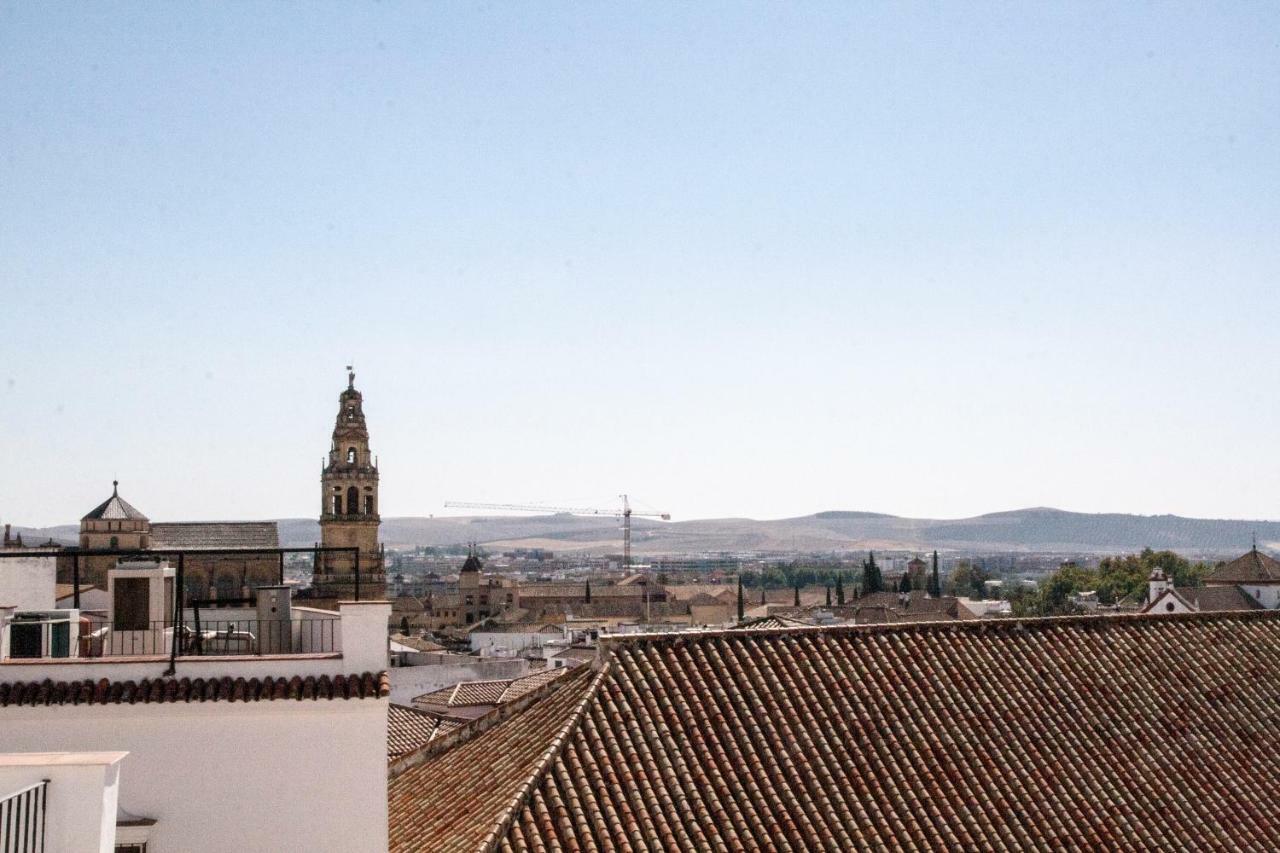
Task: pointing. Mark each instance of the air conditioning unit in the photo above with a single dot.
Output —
(43, 633)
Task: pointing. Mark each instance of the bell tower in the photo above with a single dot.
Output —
(349, 505)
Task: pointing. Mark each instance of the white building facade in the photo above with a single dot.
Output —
(267, 735)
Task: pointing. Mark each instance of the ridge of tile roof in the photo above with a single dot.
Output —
(368, 685)
(1083, 731)
(461, 799)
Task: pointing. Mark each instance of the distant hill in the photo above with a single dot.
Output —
(1030, 530)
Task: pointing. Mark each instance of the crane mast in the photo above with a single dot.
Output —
(625, 513)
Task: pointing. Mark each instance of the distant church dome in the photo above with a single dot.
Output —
(114, 508)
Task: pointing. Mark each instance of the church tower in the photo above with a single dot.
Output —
(349, 506)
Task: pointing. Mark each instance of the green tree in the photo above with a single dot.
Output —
(840, 589)
(872, 580)
(904, 585)
(935, 586)
(828, 595)
(404, 624)
(968, 580)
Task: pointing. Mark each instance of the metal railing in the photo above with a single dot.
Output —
(22, 819)
(197, 637)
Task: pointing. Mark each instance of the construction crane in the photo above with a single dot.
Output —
(625, 512)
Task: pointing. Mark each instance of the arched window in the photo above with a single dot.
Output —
(351, 456)
(115, 542)
(337, 504)
(368, 504)
(353, 501)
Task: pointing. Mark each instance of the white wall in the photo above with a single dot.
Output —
(28, 583)
(1167, 602)
(511, 640)
(90, 599)
(410, 681)
(219, 776)
(365, 642)
(80, 801)
(1268, 595)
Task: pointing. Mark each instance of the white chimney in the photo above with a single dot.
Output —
(1157, 584)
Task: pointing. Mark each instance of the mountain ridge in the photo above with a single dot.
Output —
(1034, 529)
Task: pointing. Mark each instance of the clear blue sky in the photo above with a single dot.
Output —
(747, 260)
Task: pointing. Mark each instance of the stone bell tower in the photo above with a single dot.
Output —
(349, 506)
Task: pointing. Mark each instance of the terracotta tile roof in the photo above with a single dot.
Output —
(215, 534)
(410, 729)
(368, 685)
(489, 693)
(478, 692)
(918, 605)
(1251, 567)
(421, 644)
(454, 799)
(581, 653)
(533, 627)
(775, 622)
(1121, 732)
(528, 683)
(1217, 598)
(689, 591)
(578, 590)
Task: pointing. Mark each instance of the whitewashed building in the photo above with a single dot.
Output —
(250, 729)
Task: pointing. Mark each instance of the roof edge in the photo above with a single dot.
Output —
(980, 626)
(470, 728)
(518, 802)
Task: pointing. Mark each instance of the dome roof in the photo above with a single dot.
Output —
(114, 508)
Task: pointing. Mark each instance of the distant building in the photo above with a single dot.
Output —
(116, 525)
(260, 717)
(1256, 573)
(917, 570)
(349, 507)
(1249, 582)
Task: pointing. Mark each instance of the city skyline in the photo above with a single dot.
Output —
(933, 263)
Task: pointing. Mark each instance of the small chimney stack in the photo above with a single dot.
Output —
(1157, 584)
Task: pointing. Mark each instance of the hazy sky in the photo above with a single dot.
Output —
(749, 260)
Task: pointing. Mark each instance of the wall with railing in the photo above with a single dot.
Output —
(56, 801)
(321, 642)
(228, 631)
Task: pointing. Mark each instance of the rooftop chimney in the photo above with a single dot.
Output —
(1157, 584)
